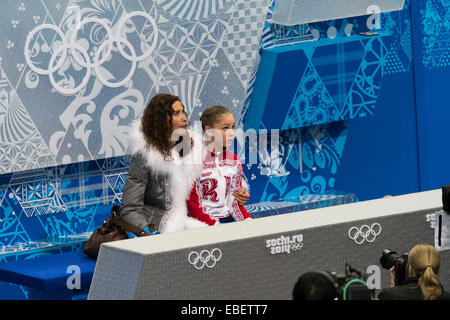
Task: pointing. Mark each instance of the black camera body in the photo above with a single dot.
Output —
(350, 285)
(446, 198)
(390, 259)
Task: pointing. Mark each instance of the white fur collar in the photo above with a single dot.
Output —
(155, 159)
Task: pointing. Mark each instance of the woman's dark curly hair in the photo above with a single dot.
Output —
(156, 123)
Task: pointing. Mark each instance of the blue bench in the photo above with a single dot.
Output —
(65, 275)
(38, 269)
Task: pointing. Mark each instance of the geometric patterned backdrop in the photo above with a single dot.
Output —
(74, 75)
(219, 46)
(94, 64)
(435, 21)
(63, 154)
(342, 79)
(216, 45)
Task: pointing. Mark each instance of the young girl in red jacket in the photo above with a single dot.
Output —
(211, 199)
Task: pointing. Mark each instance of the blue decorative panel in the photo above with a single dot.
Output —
(400, 45)
(75, 74)
(434, 25)
(279, 72)
(55, 209)
(304, 163)
(431, 23)
(58, 202)
(311, 81)
(381, 151)
(335, 82)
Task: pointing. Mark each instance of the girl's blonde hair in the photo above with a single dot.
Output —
(211, 115)
(426, 260)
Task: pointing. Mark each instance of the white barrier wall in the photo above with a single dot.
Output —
(263, 258)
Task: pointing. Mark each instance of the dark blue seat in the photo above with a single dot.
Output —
(38, 259)
(47, 276)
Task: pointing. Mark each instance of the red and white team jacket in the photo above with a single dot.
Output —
(212, 197)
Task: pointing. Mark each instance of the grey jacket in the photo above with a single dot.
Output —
(146, 197)
(156, 189)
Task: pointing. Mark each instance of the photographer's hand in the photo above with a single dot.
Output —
(392, 276)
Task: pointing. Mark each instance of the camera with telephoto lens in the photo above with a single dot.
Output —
(391, 259)
(351, 285)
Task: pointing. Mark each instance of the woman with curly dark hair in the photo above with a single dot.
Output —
(157, 129)
(166, 160)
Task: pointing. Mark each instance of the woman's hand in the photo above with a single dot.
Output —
(241, 196)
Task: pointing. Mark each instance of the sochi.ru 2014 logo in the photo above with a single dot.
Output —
(285, 244)
(205, 258)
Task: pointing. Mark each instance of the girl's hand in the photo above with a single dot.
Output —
(241, 196)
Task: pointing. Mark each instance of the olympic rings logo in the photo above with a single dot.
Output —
(364, 233)
(205, 258)
(296, 246)
(81, 56)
